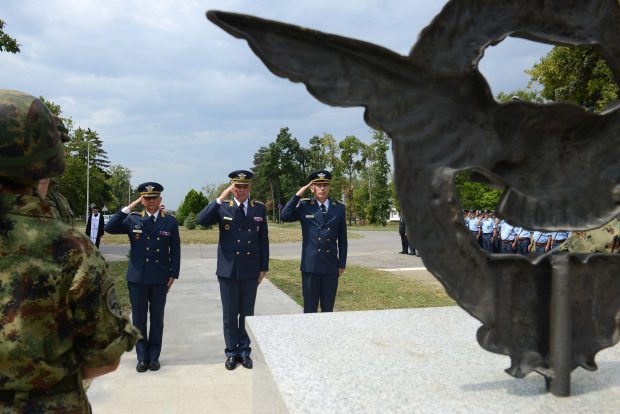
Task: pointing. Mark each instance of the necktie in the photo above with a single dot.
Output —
(323, 210)
(152, 218)
(241, 209)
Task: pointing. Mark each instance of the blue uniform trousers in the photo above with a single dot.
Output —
(319, 287)
(523, 247)
(487, 244)
(148, 299)
(506, 246)
(238, 298)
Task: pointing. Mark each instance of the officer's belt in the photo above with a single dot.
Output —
(65, 385)
(523, 238)
(507, 241)
(541, 244)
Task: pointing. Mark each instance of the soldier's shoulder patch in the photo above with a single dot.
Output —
(258, 202)
(113, 303)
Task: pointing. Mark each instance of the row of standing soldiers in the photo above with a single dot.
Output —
(499, 236)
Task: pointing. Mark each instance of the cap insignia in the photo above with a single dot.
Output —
(149, 188)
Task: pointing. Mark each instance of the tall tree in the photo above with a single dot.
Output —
(351, 155)
(193, 203)
(7, 43)
(575, 74)
(120, 187)
(379, 174)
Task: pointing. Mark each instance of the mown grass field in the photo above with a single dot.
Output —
(278, 233)
(360, 288)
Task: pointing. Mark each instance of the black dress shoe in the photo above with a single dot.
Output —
(231, 363)
(142, 366)
(246, 361)
(154, 365)
(403, 252)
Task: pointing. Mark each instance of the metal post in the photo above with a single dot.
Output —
(560, 341)
(87, 179)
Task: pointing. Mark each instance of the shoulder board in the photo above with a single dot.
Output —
(304, 199)
(135, 213)
(231, 203)
(258, 202)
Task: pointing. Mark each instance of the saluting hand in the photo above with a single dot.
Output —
(134, 203)
(226, 192)
(303, 189)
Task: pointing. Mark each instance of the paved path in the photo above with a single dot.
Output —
(193, 378)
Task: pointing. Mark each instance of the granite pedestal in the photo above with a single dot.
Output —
(405, 361)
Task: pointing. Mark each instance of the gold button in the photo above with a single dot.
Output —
(147, 260)
(327, 239)
(157, 249)
(158, 237)
(319, 238)
(148, 238)
(249, 229)
(319, 250)
(328, 228)
(156, 261)
(237, 252)
(248, 253)
(328, 251)
(249, 242)
(238, 241)
(148, 248)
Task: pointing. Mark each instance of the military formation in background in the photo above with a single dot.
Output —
(499, 236)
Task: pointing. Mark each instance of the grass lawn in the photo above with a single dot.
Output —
(361, 288)
(278, 233)
(118, 271)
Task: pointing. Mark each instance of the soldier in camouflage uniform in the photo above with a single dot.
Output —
(60, 320)
(605, 239)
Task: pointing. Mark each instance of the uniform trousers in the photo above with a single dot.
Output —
(151, 299)
(487, 244)
(238, 299)
(523, 247)
(319, 287)
(404, 242)
(506, 247)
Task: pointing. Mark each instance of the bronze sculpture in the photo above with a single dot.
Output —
(551, 314)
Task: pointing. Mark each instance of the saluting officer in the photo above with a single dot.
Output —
(324, 246)
(242, 260)
(154, 264)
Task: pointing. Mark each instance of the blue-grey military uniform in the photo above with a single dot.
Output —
(523, 239)
(155, 257)
(242, 253)
(487, 226)
(324, 249)
(559, 237)
(506, 236)
(540, 238)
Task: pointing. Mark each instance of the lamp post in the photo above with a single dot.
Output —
(87, 179)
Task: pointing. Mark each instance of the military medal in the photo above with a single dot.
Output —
(227, 227)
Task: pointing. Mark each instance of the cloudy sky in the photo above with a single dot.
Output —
(183, 103)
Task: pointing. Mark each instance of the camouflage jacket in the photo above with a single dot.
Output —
(605, 239)
(59, 306)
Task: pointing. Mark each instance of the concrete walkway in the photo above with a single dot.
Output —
(192, 378)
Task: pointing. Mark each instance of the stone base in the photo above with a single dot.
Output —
(404, 361)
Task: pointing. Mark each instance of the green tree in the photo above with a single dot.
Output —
(351, 156)
(121, 192)
(379, 173)
(523, 94)
(193, 203)
(7, 43)
(474, 195)
(575, 74)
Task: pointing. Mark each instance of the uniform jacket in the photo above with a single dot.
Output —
(324, 246)
(100, 230)
(155, 247)
(243, 247)
(59, 304)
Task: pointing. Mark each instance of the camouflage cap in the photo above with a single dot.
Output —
(31, 138)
